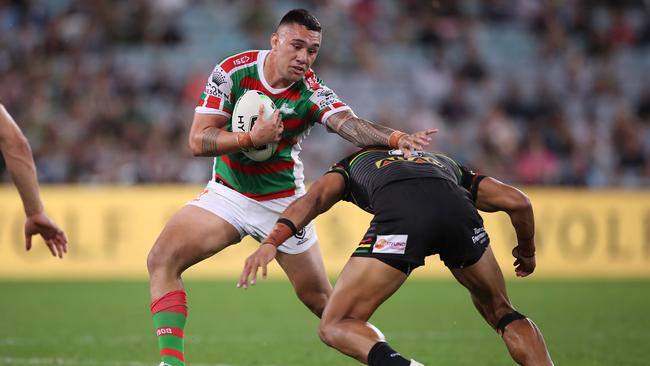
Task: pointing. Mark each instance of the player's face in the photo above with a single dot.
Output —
(296, 48)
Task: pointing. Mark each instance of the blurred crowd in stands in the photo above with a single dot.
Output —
(531, 92)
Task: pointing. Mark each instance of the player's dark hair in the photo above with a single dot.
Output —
(302, 17)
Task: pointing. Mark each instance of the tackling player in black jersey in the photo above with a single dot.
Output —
(423, 204)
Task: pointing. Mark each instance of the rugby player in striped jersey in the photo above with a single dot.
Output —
(245, 197)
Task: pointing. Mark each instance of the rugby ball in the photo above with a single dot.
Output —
(245, 115)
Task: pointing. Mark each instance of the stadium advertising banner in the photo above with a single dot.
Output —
(111, 229)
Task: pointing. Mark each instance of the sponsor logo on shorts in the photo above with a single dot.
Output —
(480, 235)
(301, 235)
(394, 244)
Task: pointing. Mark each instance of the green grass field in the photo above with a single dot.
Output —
(107, 323)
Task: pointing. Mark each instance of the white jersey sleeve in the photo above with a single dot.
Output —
(215, 99)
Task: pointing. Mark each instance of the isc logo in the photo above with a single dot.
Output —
(242, 60)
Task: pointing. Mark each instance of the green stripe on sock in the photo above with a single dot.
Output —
(171, 342)
(173, 320)
(169, 319)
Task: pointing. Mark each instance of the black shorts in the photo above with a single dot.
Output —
(419, 217)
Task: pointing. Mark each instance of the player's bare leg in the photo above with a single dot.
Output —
(485, 282)
(306, 272)
(364, 284)
(190, 236)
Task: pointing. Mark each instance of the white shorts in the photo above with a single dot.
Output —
(254, 218)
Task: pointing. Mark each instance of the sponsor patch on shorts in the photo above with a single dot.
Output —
(393, 244)
(480, 235)
(302, 237)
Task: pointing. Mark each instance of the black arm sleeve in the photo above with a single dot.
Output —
(470, 181)
(342, 168)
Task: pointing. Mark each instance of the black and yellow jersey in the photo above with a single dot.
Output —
(372, 168)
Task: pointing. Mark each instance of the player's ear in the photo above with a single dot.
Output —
(275, 40)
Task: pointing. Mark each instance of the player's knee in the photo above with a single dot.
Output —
(329, 332)
(160, 256)
(154, 260)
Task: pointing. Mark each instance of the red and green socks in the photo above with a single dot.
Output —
(169, 316)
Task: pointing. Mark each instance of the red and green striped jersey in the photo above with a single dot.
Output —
(301, 105)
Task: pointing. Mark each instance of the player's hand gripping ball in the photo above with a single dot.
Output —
(245, 115)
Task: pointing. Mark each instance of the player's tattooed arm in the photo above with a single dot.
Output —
(207, 137)
(209, 141)
(365, 133)
(358, 131)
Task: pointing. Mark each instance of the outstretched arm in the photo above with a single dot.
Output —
(322, 195)
(362, 133)
(494, 195)
(20, 164)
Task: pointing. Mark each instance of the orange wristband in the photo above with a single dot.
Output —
(393, 140)
(244, 140)
(280, 233)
